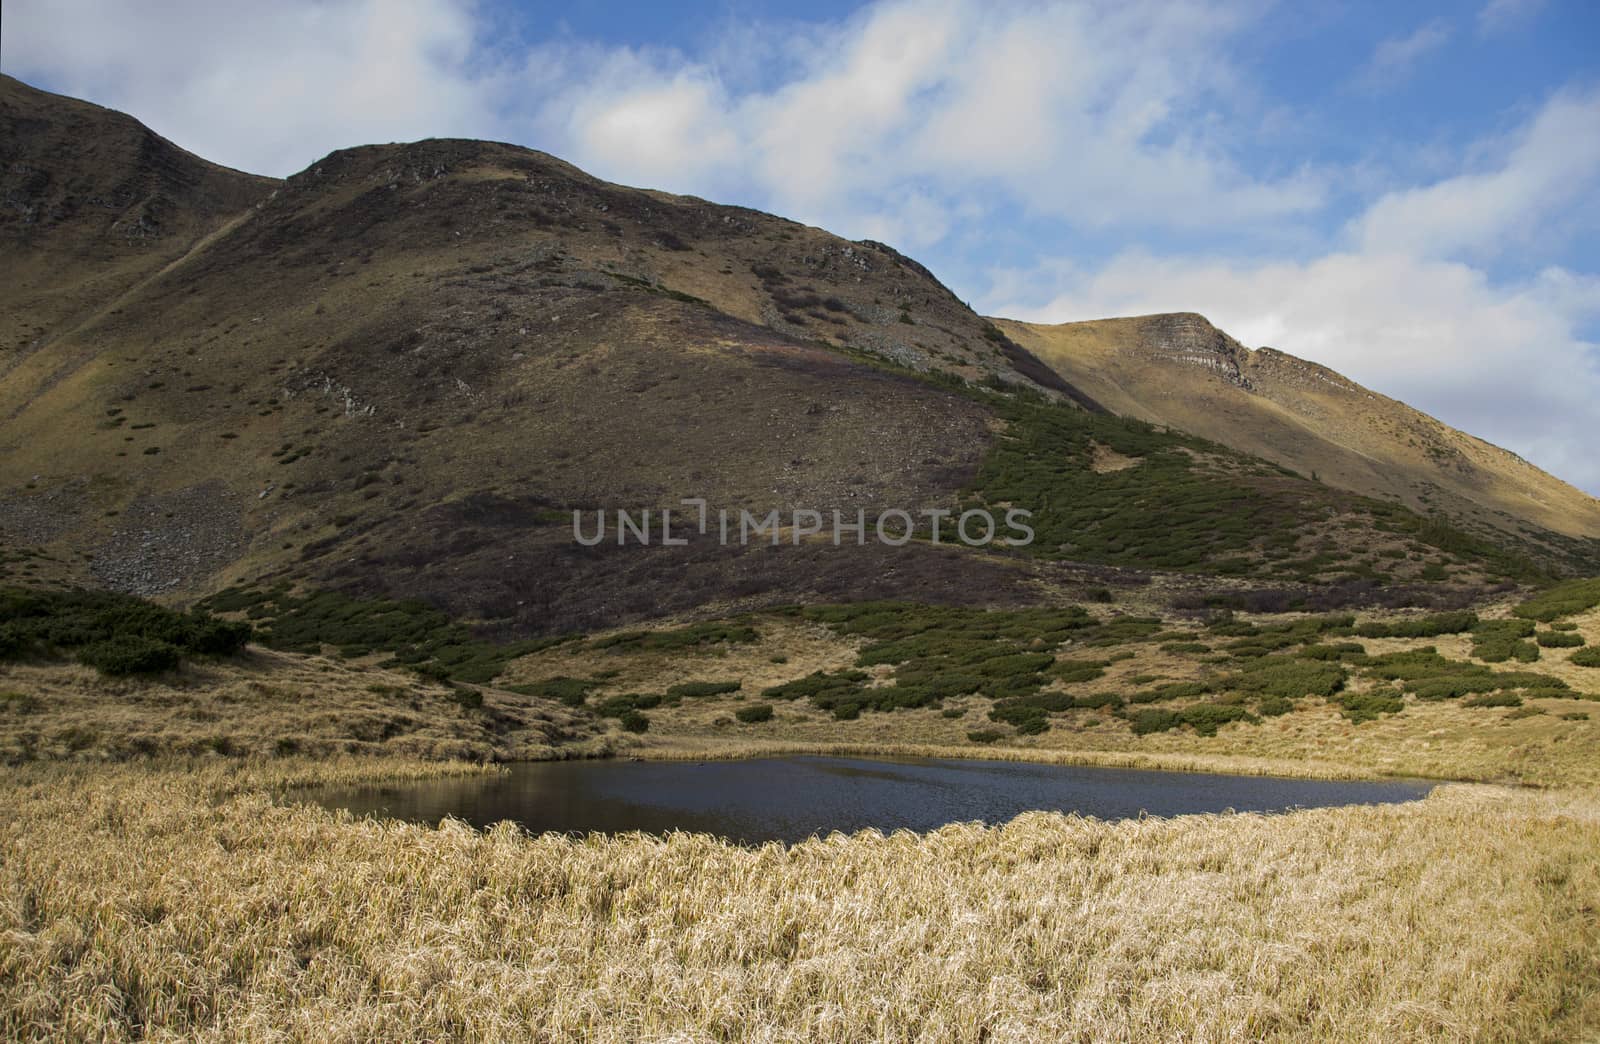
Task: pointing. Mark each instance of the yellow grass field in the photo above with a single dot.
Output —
(199, 902)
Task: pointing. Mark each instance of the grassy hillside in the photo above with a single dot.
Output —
(1180, 371)
(207, 903)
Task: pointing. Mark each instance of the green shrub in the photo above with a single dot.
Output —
(570, 691)
(414, 633)
(1289, 677)
(985, 735)
(1494, 699)
(1567, 599)
(1175, 510)
(37, 621)
(1097, 700)
(13, 643)
(1206, 718)
(1432, 677)
(619, 706)
(1589, 657)
(692, 636)
(821, 684)
(1273, 706)
(1367, 706)
(1073, 671)
(1170, 691)
(1524, 712)
(697, 689)
(1422, 627)
(129, 654)
(1332, 651)
(1147, 721)
(753, 713)
(1559, 640)
(1019, 713)
(1496, 641)
(633, 721)
(465, 697)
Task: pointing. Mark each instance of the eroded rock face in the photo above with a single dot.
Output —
(1272, 365)
(1186, 337)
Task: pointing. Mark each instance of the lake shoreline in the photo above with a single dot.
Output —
(1153, 761)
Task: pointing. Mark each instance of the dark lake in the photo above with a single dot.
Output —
(791, 798)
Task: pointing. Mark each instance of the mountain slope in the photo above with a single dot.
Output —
(91, 202)
(399, 372)
(404, 367)
(1181, 371)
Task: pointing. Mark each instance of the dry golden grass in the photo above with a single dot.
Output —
(1435, 740)
(192, 904)
(788, 649)
(267, 702)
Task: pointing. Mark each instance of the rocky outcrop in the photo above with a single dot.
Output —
(1188, 338)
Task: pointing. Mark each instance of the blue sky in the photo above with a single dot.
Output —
(1404, 192)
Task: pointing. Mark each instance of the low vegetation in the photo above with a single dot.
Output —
(1496, 641)
(116, 634)
(1564, 599)
(1192, 505)
(412, 633)
(194, 904)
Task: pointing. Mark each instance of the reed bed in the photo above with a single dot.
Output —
(200, 902)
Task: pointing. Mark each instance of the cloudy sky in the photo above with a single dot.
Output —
(1409, 193)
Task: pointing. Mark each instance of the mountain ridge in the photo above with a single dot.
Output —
(400, 370)
(1258, 397)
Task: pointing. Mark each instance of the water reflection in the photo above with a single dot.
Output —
(791, 798)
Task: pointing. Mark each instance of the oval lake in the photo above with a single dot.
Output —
(791, 798)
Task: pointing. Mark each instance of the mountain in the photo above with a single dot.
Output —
(399, 372)
(1179, 370)
(91, 203)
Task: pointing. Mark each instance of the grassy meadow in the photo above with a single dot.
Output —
(200, 902)
(159, 879)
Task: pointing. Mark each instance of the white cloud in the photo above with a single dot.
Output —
(1497, 16)
(656, 131)
(1395, 57)
(1552, 167)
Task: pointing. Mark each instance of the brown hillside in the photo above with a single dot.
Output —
(1181, 371)
(404, 368)
(401, 370)
(91, 202)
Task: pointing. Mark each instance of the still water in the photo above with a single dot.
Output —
(791, 798)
